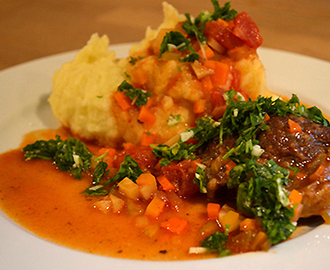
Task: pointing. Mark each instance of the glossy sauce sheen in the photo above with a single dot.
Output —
(50, 203)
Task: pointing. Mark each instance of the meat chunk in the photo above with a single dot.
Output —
(308, 150)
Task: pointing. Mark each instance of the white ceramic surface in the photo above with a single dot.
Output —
(24, 90)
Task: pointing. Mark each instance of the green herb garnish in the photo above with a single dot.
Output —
(195, 26)
(137, 95)
(205, 130)
(128, 168)
(176, 40)
(216, 242)
(265, 197)
(70, 155)
(174, 120)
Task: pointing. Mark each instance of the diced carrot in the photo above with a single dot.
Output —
(123, 101)
(295, 197)
(267, 117)
(220, 76)
(165, 183)
(146, 179)
(147, 116)
(231, 164)
(260, 241)
(210, 64)
(199, 106)
(111, 152)
(213, 210)
(208, 52)
(175, 224)
(294, 126)
(247, 224)
(128, 145)
(207, 83)
(155, 207)
(147, 138)
(147, 185)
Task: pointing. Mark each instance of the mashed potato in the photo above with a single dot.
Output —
(82, 91)
(83, 97)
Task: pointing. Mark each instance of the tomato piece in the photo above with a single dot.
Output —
(246, 29)
(217, 97)
(220, 31)
(181, 175)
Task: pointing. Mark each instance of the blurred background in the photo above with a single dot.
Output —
(31, 29)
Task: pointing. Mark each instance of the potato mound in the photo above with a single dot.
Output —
(84, 100)
(82, 91)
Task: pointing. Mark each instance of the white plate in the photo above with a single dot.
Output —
(23, 94)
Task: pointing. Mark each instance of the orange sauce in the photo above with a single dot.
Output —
(50, 203)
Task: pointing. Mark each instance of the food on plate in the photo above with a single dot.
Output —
(182, 69)
(172, 159)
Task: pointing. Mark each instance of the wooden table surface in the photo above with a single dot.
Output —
(31, 29)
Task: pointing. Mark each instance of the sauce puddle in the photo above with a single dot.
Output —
(50, 203)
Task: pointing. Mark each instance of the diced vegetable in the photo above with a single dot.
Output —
(294, 126)
(230, 221)
(165, 183)
(146, 116)
(205, 52)
(147, 185)
(213, 210)
(123, 101)
(129, 188)
(260, 242)
(326, 215)
(248, 224)
(199, 106)
(103, 205)
(117, 203)
(151, 230)
(155, 207)
(175, 225)
(147, 138)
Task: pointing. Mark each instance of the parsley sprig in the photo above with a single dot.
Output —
(70, 155)
(195, 26)
(128, 168)
(137, 95)
(176, 40)
(246, 118)
(206, 129)
(216, 242)
(265, 197)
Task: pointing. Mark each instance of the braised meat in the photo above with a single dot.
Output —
(307, 149)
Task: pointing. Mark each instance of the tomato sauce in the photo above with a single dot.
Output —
(51, 204)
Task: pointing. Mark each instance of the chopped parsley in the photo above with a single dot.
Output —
(70, 155)
(264, 196)
(176, 40)
(133, 60)
(137, 95)
(195, 26)
(205, 130)
(174, 120)
(216, 242)
(129, 168)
